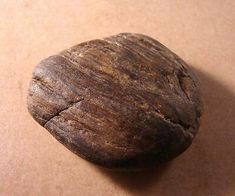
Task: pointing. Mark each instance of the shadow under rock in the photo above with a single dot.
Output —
(136, 182)
(208, 166)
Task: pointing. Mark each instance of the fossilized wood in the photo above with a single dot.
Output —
(125, 101)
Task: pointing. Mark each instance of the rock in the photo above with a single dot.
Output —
(122, 102)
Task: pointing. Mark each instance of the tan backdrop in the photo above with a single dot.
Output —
(202, 32)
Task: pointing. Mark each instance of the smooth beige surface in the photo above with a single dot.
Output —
(202, 32)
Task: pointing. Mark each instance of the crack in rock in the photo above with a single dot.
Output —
(58, 113)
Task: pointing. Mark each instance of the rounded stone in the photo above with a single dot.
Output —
(122, 102)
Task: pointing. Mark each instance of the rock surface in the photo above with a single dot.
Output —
(122, 102)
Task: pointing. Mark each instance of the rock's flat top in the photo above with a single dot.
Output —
(125, 101)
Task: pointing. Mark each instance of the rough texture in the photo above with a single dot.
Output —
(122, 102)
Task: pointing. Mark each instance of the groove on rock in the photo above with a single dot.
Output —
(170, 121)
(181, 77)
(58, 113)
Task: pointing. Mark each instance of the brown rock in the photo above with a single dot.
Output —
(122, 102)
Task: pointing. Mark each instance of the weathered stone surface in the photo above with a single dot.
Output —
(125, 101)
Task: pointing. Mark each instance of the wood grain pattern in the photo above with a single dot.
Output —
(125, 101)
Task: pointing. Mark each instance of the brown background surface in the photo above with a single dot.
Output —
(202, 32)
